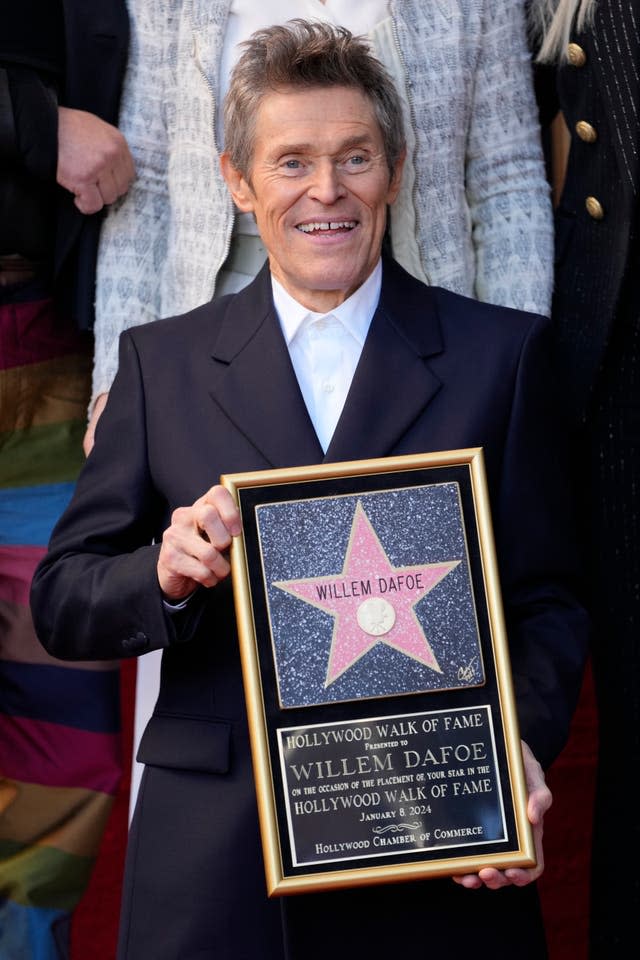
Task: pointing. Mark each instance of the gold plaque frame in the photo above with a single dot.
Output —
(362, 736)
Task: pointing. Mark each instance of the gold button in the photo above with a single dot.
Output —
(594, 208)
(586, 132)
(576, 55)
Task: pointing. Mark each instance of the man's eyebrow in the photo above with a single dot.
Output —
(282, 149)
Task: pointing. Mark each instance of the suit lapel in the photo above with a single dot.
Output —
(254, 382)
(392, 384)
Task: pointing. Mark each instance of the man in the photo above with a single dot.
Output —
(473, 214)
(314, 152)
(62, 159)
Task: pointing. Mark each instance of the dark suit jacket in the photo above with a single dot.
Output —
(214, 392)
(96, 40)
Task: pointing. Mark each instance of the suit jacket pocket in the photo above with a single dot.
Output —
(186, 743)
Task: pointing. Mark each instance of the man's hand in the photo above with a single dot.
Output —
(94, 162)
(193, 547)
(540, 800)
(89, 436)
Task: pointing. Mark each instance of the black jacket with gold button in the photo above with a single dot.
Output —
(598, 90)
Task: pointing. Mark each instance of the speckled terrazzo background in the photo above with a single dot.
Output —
(309, 538)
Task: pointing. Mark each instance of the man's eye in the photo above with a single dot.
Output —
(355, 163)
(292, 164)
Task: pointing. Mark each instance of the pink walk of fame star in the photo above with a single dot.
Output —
(371, 600)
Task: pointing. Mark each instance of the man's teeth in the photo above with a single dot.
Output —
(333, 225)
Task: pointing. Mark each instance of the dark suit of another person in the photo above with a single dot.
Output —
(596, 309)
(214, 392)
(71, 53)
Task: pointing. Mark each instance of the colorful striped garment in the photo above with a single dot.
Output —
(60, 745)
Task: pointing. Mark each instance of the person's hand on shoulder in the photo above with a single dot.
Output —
(90, 433)
(94, 161)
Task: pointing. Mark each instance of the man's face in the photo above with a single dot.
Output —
(319, 187)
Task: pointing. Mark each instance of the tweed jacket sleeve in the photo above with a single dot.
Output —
(162, 246)
(507, 190)
(482, 202)
(134, 235)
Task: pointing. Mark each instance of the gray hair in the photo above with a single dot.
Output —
(551, 22)
(306, 54)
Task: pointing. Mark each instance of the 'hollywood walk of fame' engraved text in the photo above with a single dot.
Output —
(388, 784)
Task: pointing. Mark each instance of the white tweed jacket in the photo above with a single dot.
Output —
(477, 208)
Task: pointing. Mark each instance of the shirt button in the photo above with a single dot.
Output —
(328, 386)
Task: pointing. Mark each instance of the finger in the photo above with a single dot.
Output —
(221, 510)
(227, 507)
(108, 187)
(88, 199)
(520, 878)
(538, 803)
(473, 882)
(207, 570)
(470, 881)
(213, 559)
(88, 440)
(493, 879)
(185, 562)
(211, 528)
(98, 406)
(122, 175)
(125, 170)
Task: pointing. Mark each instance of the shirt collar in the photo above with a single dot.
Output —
(355, 313)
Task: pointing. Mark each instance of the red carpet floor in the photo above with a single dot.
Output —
(567, 836)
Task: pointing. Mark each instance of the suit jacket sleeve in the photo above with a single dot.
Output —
(28, 121)
(539, 564)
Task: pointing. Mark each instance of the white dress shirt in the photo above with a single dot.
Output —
(325, 348)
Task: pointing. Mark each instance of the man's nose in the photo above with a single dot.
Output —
(326, 185)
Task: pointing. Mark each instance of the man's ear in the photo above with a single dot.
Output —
(239, 189)
(396, 178)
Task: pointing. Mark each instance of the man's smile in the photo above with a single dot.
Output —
(327, 226)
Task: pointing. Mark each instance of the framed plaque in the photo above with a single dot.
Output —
(383, 730)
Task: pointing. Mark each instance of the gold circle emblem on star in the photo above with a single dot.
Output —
(376, 616)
